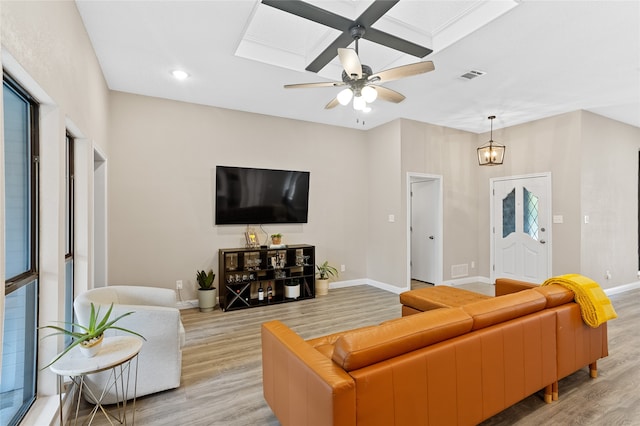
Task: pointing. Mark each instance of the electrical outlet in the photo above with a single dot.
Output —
(178, 284)
(343, 268)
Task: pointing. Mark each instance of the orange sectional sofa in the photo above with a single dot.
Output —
(457, 365)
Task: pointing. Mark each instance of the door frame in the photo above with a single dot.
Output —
(439, 234)
(492, 182)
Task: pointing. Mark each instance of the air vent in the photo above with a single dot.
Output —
(458, 271)
(470, 75)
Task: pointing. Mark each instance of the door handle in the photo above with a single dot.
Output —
(543, 242)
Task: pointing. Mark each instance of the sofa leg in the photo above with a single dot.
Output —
(554, 391)
(547, 394)
(593, 369)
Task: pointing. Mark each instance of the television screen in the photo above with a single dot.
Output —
(255, 196)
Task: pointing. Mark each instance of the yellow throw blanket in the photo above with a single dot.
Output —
(595, 306)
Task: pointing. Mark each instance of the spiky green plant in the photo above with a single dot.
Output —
(205, 280)
(94, 329)
(325, 270)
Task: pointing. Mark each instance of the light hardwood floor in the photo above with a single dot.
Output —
(221, 366)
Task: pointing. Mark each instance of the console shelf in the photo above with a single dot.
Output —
(285, 274)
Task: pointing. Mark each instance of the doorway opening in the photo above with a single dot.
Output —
(424, 228)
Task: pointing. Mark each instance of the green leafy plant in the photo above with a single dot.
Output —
(94, 330)
(325, 270)
(276, 235)
(205, 280)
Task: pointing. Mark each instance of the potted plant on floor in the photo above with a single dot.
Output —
(91, 336)
(322, 282)
(206, 292)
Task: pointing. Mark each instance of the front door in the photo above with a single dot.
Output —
(521, 220)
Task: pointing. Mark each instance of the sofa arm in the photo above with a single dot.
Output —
(508, 286)
(301, 385)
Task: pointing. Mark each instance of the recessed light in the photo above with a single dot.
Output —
(179, 74)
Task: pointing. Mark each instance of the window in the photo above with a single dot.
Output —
(19, 345)
(530, 213)
(69, 235)
(509, 214)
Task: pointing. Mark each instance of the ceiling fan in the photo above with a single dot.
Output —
(363, 84)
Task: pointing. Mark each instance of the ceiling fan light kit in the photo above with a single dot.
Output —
(345, 96)
(491, 153)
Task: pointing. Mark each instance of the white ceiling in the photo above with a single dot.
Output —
(541, 58)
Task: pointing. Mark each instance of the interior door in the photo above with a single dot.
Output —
(521, 228)
(424, 211)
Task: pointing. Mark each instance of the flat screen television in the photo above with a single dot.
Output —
(255, 196)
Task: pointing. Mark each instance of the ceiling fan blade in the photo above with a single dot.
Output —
(311, 12)
(329, 53)
(350, 62)
(374, 12)
(369, 17)
(311, 85)
(402, 72)
(389, 95)
(334, 103)
(396, 43)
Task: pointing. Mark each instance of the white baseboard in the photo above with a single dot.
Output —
(467, 280)
(622, 288)
(187, 304)
(367, 281)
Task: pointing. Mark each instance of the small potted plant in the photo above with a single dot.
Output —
(322, 282)
(206, 292)
(91, 336)
(276, 239)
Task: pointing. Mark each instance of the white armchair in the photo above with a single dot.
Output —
(157, 318)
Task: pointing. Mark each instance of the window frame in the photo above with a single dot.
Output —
(14, 283)
(31, 275)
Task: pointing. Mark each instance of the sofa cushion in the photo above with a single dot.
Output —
(556, 295)
(360, 348)
(440, 296)
(504, 308)
(325, 344)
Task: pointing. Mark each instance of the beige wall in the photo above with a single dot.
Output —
(609, 196)
(594, 165)
(384, 188)
(448, 153)
(163, 153)
(548, 145)
(162, 162)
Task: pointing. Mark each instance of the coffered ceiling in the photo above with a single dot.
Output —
(539, 58)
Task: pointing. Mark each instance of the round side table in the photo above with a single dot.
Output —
(116, 354)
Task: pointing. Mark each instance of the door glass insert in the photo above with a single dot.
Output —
(530, 214)
(509, 213)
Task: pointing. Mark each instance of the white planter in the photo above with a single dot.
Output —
(90, 350)
(207, 299)
(292, 291)
(322, 287)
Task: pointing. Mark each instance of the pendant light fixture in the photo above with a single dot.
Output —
(491, 153)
